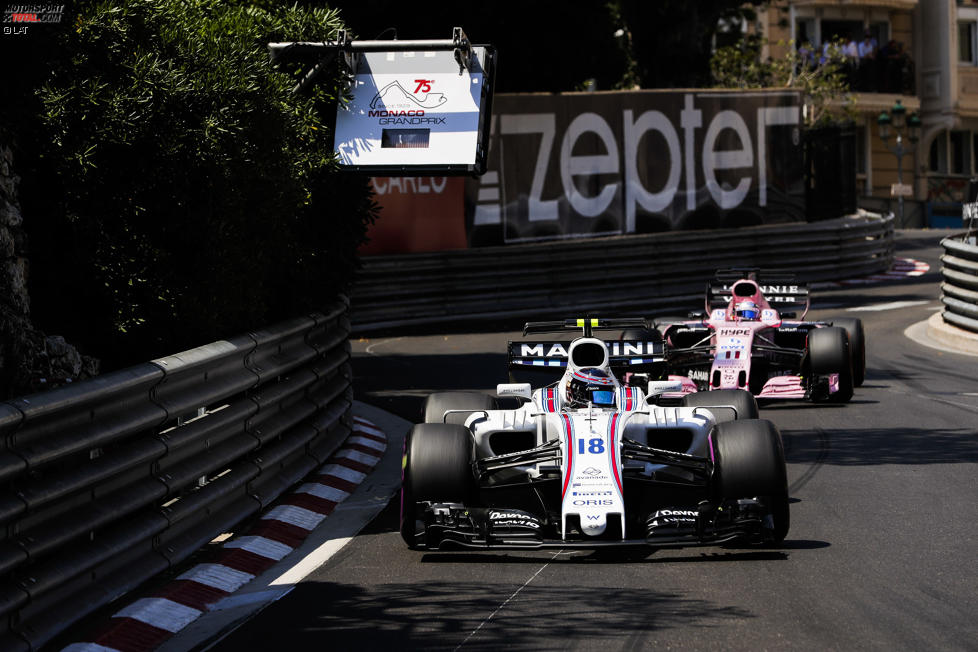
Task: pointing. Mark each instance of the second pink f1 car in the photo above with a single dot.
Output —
(754, 336)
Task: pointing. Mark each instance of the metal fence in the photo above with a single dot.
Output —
(111, 481)
(635, 274)
(959, 291)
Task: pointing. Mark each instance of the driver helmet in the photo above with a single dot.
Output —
(746, 310)
(591, 385)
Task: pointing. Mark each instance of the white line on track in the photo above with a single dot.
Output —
(310, 562)
(894, 305)
(505, 602)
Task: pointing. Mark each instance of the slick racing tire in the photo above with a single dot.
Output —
(740, 400)
(437, 467)
(857, 344)
(828, 353)
(437, 404)
(642, 335)
(750, 464)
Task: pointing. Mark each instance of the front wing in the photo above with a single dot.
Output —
(699, 521)
(453, 526)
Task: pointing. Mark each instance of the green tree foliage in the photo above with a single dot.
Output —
(670, 41)
(549, 47)
(543, 46)
(190, 196)
(820, 76)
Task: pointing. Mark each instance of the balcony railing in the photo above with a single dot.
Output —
(883, 75)
(890, 70)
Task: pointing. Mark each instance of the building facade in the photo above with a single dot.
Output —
(922, 53)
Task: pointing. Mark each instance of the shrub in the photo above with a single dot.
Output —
(192, 196)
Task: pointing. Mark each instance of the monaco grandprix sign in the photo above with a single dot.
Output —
(580, 164)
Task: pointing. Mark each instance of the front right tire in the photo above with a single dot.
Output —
(436, 467)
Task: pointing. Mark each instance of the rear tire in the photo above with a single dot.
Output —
(828, 353)
(437, 404)
(642, 335)
(750, 464)
(857, 345)
(741, 400)
(436, 467)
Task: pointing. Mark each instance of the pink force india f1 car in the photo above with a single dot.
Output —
(589, 462)
(754, 336)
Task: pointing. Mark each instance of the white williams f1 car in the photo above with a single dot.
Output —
(589, 462)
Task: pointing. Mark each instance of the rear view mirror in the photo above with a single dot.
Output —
(518, 390)
(657, 387)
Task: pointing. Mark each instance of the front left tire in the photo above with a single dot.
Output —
(750, 464)
(857, 345)
(829, 353)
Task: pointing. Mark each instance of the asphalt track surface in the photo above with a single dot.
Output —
(882, 552)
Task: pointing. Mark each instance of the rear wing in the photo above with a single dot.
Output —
(622, 354)
(586, 324)
(781, 289)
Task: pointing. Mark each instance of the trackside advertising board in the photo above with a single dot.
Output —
(618, 162)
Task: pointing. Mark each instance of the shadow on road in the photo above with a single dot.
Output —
(444, 615)
(866, 446)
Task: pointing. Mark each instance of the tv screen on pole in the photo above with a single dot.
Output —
(416, 112)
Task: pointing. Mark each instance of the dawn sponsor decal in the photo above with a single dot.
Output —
(513, 518)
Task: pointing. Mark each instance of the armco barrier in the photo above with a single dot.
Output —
(637, 274)
(959, 267)
(110, 481)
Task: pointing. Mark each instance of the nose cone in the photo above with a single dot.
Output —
(594, 524)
